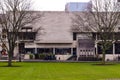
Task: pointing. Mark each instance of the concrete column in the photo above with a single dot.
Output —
(35, 49)
(96, 46)
(71, 51)
(54, 51)
(78, 53)
(96, 37)
(114, 51)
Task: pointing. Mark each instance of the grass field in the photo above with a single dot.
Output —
(59, 71)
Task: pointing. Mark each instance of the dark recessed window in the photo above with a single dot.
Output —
(74, 51)
(74, 36)
(3, 36)
(118, 28)
(4, 33)
(118, 0)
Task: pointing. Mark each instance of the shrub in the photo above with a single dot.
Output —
(45, 56)
(42, 56)
(31, 56)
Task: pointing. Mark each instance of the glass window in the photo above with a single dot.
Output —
(29, 50)
(74, 51)
(45, 50)
(74, 36)
(62, 51)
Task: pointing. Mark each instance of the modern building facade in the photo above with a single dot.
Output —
(78, 6)
(57, 38)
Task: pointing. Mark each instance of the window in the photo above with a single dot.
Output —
(118, 28)
(74, 36)
(27, 35)
(45, 50)
(62, 51)
(21, 47)
(74, 51)
(3, 36)
(27, 29)
(4, 33)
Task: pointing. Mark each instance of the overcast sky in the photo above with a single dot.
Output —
(52, 5)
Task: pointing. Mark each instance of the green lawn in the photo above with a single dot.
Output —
(59, 71)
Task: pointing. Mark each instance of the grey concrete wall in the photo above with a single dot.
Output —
(57, 26)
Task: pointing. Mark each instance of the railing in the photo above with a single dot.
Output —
(88, 58)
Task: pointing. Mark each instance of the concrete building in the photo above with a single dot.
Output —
(58, 39)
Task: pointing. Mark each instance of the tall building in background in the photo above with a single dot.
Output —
(78, 6)
(89, 6)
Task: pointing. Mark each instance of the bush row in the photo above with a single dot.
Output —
(43, 56)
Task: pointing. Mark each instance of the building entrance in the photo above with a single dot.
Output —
(85, 48)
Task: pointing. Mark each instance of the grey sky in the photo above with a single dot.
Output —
(52, 5)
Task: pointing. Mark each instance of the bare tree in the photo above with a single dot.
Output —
(102, 20)
(15, 14)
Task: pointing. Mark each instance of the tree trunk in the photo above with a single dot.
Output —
(103, 57)
(10, 59)
(19, 57)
